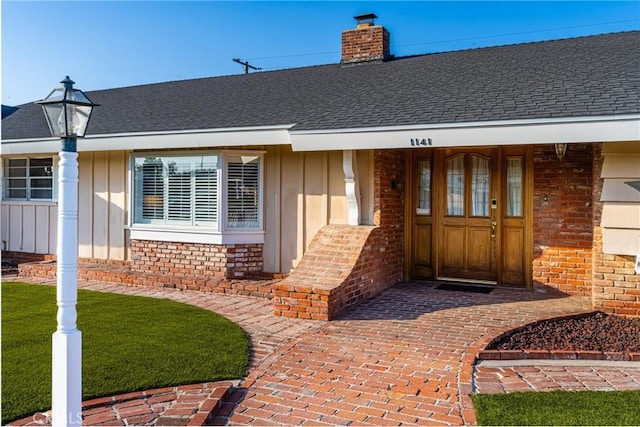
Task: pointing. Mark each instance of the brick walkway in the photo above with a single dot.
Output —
(190, 404)
(405, 356)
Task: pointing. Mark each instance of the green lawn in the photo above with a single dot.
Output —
(583, 408)
(128, 344)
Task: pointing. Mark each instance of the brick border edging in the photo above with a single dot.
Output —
(196, 411)
(471, 357)
(540, 354)
(557, 355)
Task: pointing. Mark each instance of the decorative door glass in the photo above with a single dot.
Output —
(514, 187)
(424, 188)
(479, 186)
(455, 186)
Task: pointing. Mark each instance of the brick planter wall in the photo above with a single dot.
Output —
(344, 265)
(21, 257)
(173, 258)
(112, 271)
(616, 286)
(563, 219)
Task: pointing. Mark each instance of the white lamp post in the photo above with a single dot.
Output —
(67, 111)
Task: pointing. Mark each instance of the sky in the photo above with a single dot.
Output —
(110, 44)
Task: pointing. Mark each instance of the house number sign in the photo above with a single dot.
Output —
(417, 142)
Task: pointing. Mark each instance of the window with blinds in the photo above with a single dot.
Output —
(220, 191)
(28, 178)
(243, 192)
(176, 190)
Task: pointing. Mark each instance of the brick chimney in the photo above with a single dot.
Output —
(367, 42)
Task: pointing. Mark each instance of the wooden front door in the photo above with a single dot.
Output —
(467, 212)
(469, 219)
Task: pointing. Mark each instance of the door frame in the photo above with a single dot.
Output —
(434, 221)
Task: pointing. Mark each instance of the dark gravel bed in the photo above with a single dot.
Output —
(591, 332)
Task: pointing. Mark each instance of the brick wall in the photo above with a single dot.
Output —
(365, 44)
(616, 286)
(563, 219)
(344, 265)
(388, 208)
(173, 258)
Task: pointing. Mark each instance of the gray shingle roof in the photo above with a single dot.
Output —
(586, 76)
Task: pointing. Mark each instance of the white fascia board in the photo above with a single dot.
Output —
(206, 138)
(506, 132)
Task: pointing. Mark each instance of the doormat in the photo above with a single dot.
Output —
(465, 288)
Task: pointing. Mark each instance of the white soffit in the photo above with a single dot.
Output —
(229, 137)
(507, 132)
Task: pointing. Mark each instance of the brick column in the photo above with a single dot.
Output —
(563, 219)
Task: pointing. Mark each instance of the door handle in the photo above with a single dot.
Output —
(494, 224)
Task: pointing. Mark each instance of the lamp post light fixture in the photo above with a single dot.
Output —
(67, 111)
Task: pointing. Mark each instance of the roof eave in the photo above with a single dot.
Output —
(199, 138)
(488, 133)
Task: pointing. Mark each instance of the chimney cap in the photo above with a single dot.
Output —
(365, 19)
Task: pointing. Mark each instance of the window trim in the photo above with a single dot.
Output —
(54, 180)
(219, 233)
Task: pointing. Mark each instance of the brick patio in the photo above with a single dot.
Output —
(404, 356)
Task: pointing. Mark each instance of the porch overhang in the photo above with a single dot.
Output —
(489, 133)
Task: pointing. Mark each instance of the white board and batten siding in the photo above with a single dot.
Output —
(31, 226)
(102, 209)
(621, 210)
(303, 191)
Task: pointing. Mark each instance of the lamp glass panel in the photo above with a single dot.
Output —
(56, 95)
(77, 96)
(52, 113)
(77, 119)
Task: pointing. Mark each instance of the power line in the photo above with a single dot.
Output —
(520, 33)
(454, 40)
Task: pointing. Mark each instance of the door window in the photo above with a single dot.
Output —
(455, 186)
(479, 186)
(514, 187)
(424, 188)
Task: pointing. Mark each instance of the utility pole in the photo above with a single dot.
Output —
(246, 65)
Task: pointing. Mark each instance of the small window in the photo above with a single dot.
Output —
(243, 192)
(28, 179)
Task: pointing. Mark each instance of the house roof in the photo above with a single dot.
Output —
(578, 77)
